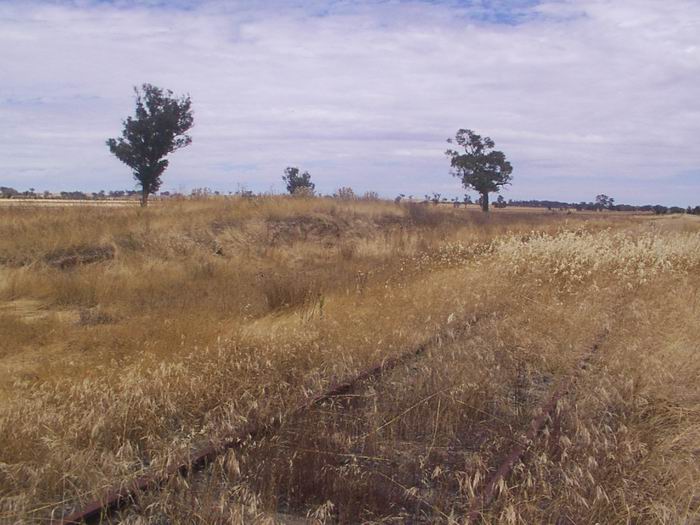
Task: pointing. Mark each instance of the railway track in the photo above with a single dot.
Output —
(381, 466)
(98, 510)
(548, 412)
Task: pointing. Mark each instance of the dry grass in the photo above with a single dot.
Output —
(185, 321)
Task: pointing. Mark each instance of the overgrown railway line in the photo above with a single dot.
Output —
(121, 497)
(118, 497)
(503, 461)
(548, 412)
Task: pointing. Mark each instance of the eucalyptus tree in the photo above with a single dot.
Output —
(603, 202)
(298, 183)
(479, 166)
(158, 128)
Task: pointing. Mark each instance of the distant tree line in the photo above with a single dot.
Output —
(347, 193)
(597, 206)
(31, 193)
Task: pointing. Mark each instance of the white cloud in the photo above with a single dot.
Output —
(584, 97)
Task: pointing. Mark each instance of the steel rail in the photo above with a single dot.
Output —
(483, 499)
(116, 498)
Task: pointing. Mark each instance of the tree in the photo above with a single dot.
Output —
(7, 192)
(480, 167)
(296, 183)
(603, 202)
(159, 127)
(500, 202)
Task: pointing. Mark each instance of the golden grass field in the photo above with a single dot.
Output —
(130, 335)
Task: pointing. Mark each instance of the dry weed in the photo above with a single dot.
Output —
(209, 314)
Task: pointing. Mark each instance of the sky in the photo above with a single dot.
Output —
(584, 97)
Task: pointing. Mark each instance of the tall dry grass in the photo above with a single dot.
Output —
(204, 315)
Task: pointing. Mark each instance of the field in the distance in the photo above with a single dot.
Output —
(129, 336)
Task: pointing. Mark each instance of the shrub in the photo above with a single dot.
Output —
(345, 194)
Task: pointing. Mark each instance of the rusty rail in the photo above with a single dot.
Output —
(97, 509)
(488, 493)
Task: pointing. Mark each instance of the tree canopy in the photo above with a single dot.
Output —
(298, 183)
(603, 202)
(158, 128)
(480, 167)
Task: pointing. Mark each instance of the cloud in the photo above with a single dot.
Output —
(584, 97)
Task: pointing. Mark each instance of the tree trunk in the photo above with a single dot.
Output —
(485, 201)
(144, 197)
